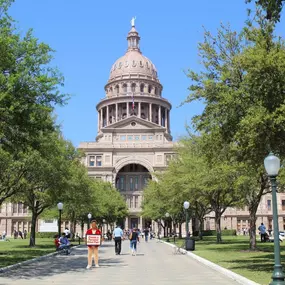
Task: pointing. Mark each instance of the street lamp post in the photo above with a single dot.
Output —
(186, 206)
(272, 166)
(60, 207)
(89, 220)
(167, 215)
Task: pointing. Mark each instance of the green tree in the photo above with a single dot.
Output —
(242, 85)
(271, 9)
(47, 176)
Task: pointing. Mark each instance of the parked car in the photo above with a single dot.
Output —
(282, 233)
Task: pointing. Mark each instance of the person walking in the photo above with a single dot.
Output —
(146, 233)
(93, 249)
(262, 230)
(118, 236)
(134, 239)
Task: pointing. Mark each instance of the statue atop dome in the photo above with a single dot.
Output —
(133, 21)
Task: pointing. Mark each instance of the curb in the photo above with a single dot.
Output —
(13, 266)
(240, 279)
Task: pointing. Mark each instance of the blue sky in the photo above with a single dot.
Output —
(89, 36)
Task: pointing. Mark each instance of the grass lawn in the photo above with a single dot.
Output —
(17, 250)
(233, 254)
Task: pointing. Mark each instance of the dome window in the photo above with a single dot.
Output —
(125, 87)
(141, 64)
(134, 63)
(142, 88)
(155, 91)
(133, 124)
(133, 87)
(117, 89)
(149, 89)
(126, 63)
(120, 65)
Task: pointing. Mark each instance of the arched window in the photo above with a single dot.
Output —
(155, 91)
(142, 88)
(111, 90)
(125, 87)
(149, 89)
(133, 87)
(117, 89)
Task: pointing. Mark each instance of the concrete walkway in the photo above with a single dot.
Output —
(155, 264)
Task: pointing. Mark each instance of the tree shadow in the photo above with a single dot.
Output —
(76, 262)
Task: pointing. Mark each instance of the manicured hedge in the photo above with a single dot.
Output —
(214, 233)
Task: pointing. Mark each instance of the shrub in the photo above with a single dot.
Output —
(214, 233)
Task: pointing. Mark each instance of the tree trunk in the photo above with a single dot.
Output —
(180, 230)
(252, 230)
(201, 225)
(218, 227)
(33, 229)
(82, 228)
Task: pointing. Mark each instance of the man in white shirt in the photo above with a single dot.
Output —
(118, 235)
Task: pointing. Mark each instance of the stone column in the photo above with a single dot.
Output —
(127, 223)
(141, 223)
(150, 112)
(169, 121)
(98, 123)
(128, 112)
(116, 119)
(101, 116)
(159, 115)
(107, 116)
(166, 121)
(139, 114)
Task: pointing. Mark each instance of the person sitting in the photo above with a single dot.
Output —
(63, 241)
(56, 241)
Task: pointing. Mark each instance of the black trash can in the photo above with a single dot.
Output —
(190, 244)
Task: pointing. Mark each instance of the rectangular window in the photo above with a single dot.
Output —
(131, 202)
(130, 138)
(15, 208)
(20, 208)
(137, 138)
(122, 184)
(150, 137)
(136, 201)
(136, 183)
(131, 184)
(145, 179)
(48, 221)
(91, 160)
(99, 160)
(283, 205)
(269, 205)
(122, 138)
(143, 138)
(25, 210)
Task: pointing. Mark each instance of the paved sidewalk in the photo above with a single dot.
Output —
(155, 264)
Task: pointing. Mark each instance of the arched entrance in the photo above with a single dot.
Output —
(130, 181)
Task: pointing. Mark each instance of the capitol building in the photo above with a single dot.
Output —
(133, 137)
(134, 141)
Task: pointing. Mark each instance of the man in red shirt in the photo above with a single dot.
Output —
(93, 249)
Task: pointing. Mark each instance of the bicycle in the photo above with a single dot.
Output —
(179, 249)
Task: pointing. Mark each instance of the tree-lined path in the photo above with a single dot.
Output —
(154, 264)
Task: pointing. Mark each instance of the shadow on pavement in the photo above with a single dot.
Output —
(59, 264)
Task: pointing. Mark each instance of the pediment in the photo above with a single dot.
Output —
(133, 123)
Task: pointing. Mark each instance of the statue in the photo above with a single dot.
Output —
(133, 21)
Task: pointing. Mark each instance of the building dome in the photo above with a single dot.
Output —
(133, 64)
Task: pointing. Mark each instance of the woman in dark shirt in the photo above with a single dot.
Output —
(134, 238)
